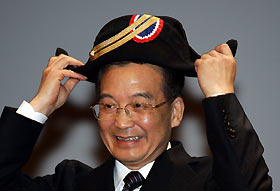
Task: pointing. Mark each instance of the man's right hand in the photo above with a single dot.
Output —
(52, 94)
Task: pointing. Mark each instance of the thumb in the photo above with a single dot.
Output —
(224, 49)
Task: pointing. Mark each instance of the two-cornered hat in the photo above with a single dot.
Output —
(158, 40)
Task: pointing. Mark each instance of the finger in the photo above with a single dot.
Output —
(70, 84)
(55, 59)
(71, 74)
(51, 60)
(205, 56)
(197, 63)
(72, 62)
(63, 61)
(224, 49)
(213, 53)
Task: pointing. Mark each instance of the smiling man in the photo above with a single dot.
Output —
(138, 64)
(138, 135)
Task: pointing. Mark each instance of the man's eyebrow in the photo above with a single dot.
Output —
(140, 94)
(145, 95)
(105, 96)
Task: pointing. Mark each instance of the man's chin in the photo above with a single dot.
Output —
(131, 161)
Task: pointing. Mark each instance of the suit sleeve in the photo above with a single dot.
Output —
(18, 136)
(237, 151)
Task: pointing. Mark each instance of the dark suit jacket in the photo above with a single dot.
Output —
(236, 162)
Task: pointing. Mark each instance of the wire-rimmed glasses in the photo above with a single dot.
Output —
(108, 111)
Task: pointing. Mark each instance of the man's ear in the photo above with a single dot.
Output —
(177, 111)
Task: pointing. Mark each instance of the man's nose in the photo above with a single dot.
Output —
(123, 119)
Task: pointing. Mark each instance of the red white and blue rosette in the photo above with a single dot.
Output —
(150, 33)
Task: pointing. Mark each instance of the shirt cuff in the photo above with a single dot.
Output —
(27, 110)
(218, 94)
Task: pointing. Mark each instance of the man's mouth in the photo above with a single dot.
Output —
(136, 138)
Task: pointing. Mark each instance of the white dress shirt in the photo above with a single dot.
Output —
(27, 110)
(120, 171)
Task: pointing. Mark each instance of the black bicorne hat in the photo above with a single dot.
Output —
(144, 38)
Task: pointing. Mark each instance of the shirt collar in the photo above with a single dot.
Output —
(120, 171)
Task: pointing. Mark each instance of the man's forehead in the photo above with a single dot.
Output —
(132, 79)
(135, 69)
(129, 63)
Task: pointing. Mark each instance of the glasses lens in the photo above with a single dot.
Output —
(138, 111)
(137, 108)
(96, 111)
(104, 111)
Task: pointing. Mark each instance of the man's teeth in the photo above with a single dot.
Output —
(129, 138)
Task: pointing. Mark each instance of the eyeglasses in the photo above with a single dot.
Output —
(136, 111)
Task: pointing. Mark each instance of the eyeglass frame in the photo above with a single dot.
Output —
(126, 110)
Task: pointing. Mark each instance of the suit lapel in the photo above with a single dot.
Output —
(171, 171)
(100, 178)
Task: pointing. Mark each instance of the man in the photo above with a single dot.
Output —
(138, 64)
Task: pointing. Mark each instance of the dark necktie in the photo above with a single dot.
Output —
(133, 180)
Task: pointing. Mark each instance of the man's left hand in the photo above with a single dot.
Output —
(216, 71)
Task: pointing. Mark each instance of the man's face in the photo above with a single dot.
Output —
(135, 83)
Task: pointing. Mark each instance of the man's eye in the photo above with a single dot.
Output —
(138, 105)
(109, 106)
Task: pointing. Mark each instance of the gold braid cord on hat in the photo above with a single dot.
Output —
(123, 37)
